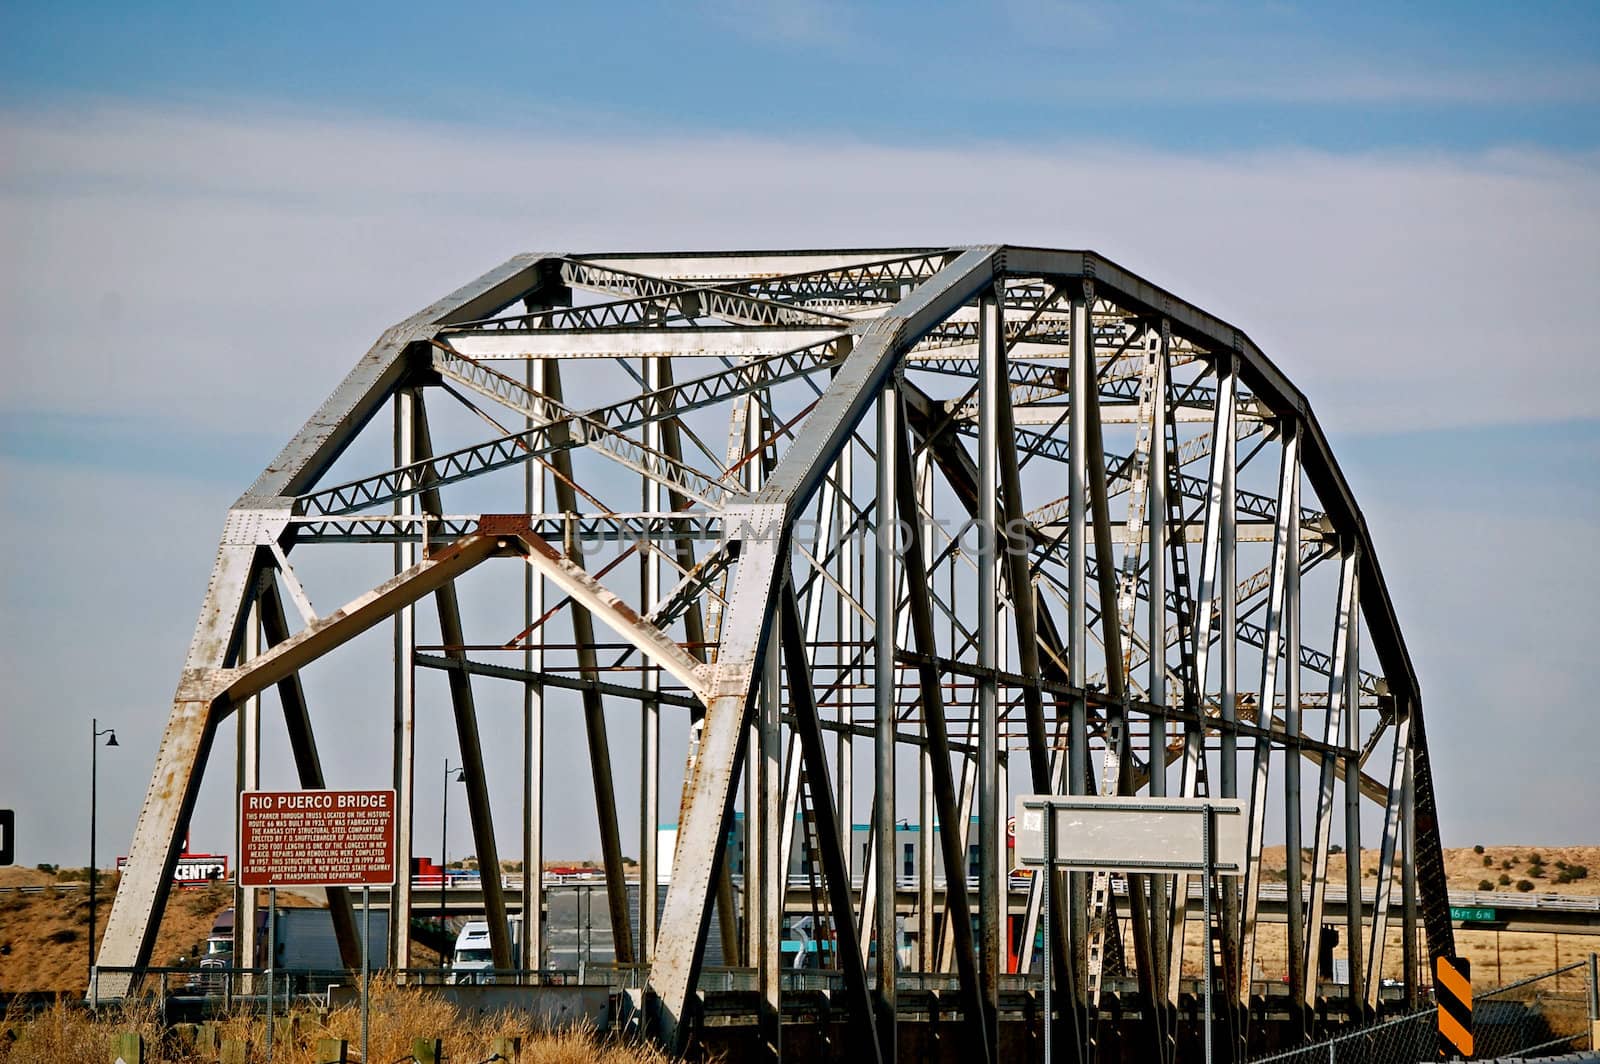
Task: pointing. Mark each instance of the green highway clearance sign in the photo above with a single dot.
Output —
(1472, 914)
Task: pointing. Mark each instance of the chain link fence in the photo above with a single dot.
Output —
(1410, 1038)
(1547, 1014)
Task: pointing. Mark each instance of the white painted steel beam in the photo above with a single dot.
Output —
(684, 341)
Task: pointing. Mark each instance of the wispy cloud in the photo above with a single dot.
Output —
(1182, 52)
(197, 266)
(1359, 82)
(801, 23)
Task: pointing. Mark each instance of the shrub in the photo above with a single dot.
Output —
(48, 869)
(1506, 865)
(1535, 859)
(1487, 861)
(1524, 885)
(1477, 849)
(1505, 880)
(1484, 884)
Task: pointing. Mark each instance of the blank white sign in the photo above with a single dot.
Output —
(1132, 834)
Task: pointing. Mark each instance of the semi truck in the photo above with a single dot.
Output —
(303, 941)
(472, 961)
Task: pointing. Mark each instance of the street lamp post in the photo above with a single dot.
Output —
(444, 841)
(94, 785)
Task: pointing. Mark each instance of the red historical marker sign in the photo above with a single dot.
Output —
(316, 838)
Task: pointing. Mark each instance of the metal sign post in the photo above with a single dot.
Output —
(272, 957)
(1130, 834)
(1048, 871)
(1207, 836)
(366, 966)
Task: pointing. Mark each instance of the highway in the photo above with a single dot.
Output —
(1567, 914)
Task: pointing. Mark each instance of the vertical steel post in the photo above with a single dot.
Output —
(649, 710)
(990, 913)
(1227, 579)
(755, 822)
(847, 632)
(1082, 379)
(1002, 877)
(532, 939)
(405, 696)
(1227, 565)
(1408, 882)
(1352, 814)
(927, 816)
(247, 903)
(927, 915)
(1156, 683)
(887, 584)
(1292, 716)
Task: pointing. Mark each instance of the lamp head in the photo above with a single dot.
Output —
(112, 741)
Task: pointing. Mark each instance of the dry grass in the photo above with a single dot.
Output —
(65, 1035)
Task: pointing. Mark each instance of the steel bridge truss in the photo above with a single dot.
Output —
(946, 506)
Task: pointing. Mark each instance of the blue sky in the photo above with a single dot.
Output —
(207, 213)
(1190, 75)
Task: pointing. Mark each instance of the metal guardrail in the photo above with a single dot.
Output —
(43, 887)
(1269, 891)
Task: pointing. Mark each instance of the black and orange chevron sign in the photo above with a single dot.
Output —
(1452, 989)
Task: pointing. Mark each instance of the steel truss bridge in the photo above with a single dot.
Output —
(996, 520)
